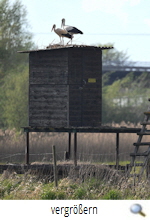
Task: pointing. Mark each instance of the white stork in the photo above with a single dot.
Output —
(70, 29)
(61, 33)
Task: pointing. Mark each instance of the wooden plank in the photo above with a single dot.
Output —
(147, 113)
(48, 67)
(139, 154)
(48, 105)
(27, 149)
(141, 144)
(136, 164)
(117, 151)
(75, 67)
(143, 133)
(92, 64)
(55, 166)
(48, 90)
(93, 108)
(47, 56)
(95, 122)
(76, 115)
(49, 116)
(88, 129)
(75, 149)
(92, 102)
(90, 113)
(75, 122)
(69, 145)
(55, 123)
(89, 107)
(145, 123)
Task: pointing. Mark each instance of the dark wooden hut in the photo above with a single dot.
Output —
(65, 86)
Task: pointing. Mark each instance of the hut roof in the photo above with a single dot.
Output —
(57, 46)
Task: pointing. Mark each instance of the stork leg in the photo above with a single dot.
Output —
(68, 42)
(60, 40)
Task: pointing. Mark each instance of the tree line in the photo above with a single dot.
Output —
(15, 36)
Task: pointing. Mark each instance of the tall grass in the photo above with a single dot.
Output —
(89, 182)
(92, 147)
(111, 186)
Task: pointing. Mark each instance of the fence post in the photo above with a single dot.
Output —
(117, 151)
(27, 149)
(148, 168)
(55, 166)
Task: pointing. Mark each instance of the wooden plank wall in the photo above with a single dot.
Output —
(75, 80)
(92, 91)
(85, 98)
(61, 93)
(47, 90)
(48, 105)
(48, 67)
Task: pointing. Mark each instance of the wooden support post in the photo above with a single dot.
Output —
(27, 149)
(75, 148)
(68, 152)
(55, 166)
(148, 168)
(69, 145)
(117, 151)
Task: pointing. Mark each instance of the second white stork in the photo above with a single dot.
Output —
(61, 33)
(70, 29)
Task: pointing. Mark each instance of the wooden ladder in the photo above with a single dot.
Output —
(136, 154)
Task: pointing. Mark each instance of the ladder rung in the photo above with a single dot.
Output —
(145, 123)
(147, 113)
(136, 164)
(139, 164)
(141, 144)
(144, 133)
(138, 154)
(135, 175)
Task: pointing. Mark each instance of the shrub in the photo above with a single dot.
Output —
(80, 193)
(112, 195)
(50, 195)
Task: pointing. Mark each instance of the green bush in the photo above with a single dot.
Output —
(50, 195)
(112, 195)
(80, 193)
(61, 195)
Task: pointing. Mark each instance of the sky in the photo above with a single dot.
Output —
(125, 23)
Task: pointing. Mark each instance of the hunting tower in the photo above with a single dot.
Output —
(65, 86)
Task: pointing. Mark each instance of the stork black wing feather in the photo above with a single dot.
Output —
(67, 35)
(73, 30)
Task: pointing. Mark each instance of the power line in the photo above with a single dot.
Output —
(120, 34)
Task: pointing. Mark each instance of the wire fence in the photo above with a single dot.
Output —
(48, 157)
(93, 148)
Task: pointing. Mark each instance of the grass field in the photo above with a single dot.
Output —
(92, 148)
(98, 147)
(110, 187)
